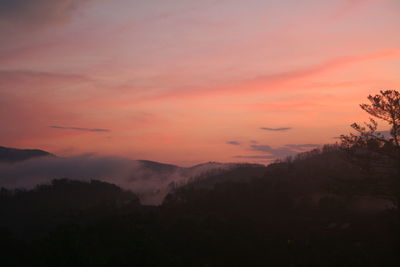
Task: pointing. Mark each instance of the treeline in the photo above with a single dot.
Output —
(295, 214)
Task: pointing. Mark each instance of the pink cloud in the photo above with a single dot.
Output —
(257, 84)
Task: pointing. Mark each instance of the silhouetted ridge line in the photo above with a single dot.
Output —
(15, 155)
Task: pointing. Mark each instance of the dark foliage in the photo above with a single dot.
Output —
(35, 212)
(378, 155)
(288, 216)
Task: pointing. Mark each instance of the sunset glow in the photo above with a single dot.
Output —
(185, 82)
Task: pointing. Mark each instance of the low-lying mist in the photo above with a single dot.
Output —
(151, 182)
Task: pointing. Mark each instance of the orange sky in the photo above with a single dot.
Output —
(191, 81)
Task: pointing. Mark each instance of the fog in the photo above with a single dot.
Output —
(150, 184)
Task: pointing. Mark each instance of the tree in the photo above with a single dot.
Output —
(378, 152)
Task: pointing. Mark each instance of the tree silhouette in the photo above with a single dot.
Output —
(376, 153)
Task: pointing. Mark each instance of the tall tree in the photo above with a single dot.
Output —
(378, 152)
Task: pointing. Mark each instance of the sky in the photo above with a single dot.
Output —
(185, 82)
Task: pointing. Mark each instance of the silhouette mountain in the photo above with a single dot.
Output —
(158, 179)
(61, 201)
(291, 213)
(223, 172)
(15, 155)
(150, 180)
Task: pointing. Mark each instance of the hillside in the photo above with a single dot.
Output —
(150, 180)
(290, 213)
(10, 155)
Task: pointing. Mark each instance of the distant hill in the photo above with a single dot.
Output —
(15, 155)
(318, 177)
(223, 172)
(150, 180)
(156, 180)
(308, 210)
(62, 201)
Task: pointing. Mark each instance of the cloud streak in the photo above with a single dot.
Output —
(324, 66)
(25, 78)
(235, 143)
(276, 153)
(276, 129)
(255, 157)
(96, 130)
(261, 82)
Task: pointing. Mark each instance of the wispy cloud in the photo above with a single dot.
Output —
(329, 65)
(80, 129)
(277, 153)
(257, 83)
(236, 143)
(276, 129)
(25, 78)
(254, 157)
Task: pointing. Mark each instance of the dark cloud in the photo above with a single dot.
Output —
(80, 129)
(276, 129)
(33, 13)
(280, 152)
(236, 143)
(277, 153)
(269, 152)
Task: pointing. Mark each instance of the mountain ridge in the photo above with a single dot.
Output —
(12, 155)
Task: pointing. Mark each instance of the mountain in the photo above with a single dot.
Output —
(152, 181)
(15, 155)
(60, 202)
(212, 173)
(295, 212)
(319, 178)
